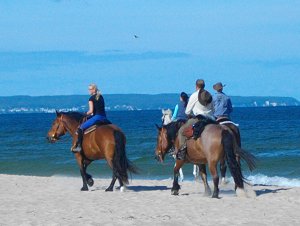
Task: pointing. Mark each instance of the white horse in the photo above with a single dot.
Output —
(166, 119)
(166, 116)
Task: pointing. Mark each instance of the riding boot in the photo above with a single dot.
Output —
(181, 153)
(77, 147)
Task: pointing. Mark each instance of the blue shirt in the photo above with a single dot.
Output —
(179, 112)
(222, 105)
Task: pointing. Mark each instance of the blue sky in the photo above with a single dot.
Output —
(50, 47)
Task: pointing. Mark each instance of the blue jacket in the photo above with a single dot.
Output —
(222, 105)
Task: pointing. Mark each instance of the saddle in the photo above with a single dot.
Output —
(97, 124)
(196, 130)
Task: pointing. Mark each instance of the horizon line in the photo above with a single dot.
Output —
(153, 94)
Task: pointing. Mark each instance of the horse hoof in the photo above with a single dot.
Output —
(224, 181)
(84, 189)
(215, 195)
(174, 192)
(90, 182)
(122, 189)
(207, 194)
(108, 189)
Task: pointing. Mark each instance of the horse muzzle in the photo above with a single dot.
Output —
(159, 158)
(52, 139)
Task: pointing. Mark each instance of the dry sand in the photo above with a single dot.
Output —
(27, 200)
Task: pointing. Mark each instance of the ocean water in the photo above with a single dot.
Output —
(271, 134)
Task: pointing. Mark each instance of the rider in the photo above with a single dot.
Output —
(222, 103)
(200, 105)
(96, 112)
(179, 111)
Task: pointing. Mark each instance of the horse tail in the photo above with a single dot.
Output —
(233, 165)
(240, 152)
(120, 161)
(247, 157)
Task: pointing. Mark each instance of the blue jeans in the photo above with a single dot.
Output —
(91, 121)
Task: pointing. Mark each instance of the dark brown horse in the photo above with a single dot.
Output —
(217, 143)
(105, 142)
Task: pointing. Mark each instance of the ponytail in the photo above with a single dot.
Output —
(98, 93)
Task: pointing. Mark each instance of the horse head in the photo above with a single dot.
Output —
(57, 129)
(166, 116)
(164, 144)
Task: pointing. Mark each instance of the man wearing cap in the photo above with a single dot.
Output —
(221, 103)
(199, 106)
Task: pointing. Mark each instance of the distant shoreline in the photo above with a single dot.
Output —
(52, 111)
(123, 102)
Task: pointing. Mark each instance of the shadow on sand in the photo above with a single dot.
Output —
(147, 188)
(135, 188)
(266, 191)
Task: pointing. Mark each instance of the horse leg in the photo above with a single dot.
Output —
(196, 171)
(180, 170)
(112, 183)
(176, 187)
(89, 177)
(203, 174)
(114, 177)
(181, 174)
(82, 168)
(122, 185)
(223, 168)
(214, 173)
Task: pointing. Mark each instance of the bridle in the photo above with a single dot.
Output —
(54, 135)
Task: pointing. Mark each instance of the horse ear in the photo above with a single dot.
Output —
(158, 127)
(57, 113)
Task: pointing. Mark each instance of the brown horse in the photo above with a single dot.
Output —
(173, 127)
(217, 143)
(105, 142)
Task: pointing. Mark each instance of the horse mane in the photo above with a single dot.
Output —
(78, 116)
(172, 130)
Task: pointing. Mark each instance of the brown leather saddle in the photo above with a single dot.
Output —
(196, 130)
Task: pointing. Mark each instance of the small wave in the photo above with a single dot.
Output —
(278, 153)
(275, 181)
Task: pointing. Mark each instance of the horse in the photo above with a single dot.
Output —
(217, 143)
(103, 142)
(166, 120)
(166, 116)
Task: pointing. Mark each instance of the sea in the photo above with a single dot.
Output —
(272, 134)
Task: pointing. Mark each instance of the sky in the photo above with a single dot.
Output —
(59, 47)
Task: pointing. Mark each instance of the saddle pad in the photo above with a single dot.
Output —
(90, 129)
(98, 123)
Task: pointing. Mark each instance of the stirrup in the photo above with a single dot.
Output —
(76, 149)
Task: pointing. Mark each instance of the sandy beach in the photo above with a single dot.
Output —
(29, 200)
